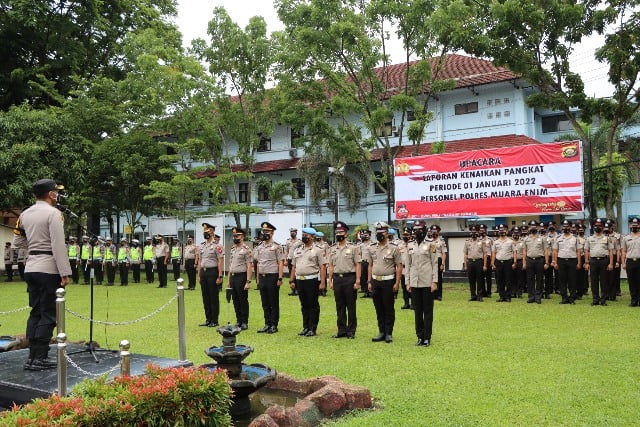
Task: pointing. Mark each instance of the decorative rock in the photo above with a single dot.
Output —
(316, 384)
(285, 417)
(285, 382)
(263, 420)
(308, 411)
(329, 399)
(357, 397)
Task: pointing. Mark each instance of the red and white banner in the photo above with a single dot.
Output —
(526, 180)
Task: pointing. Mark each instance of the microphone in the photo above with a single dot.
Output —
(64, 209)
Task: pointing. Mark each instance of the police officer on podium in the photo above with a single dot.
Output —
(269, 267)
(344, 278)
(240, 271)
(385, 273)
(41, 231)
(210, 269)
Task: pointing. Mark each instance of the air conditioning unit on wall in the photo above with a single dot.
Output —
(293, 152)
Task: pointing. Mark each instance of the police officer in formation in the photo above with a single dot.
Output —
(110, 261)
(582, 275)
(385, 274)
(291, 243)
(565, 261)
(175, 250)
(363, 244)
(422, 281)
(124, 262)
(21, 260)
(8, 261)
(519, 274)
(161, 256)
(135, 256)
(503, 262)
(97, 255)
(190, 251)
(85, 259)
(40, 229)
(240, 272)
(475, 263)
(630, 258)
(442, 250)
(344, 270)
(403, 244)
(599, 260)
(488, 273)
(148, 257)
(614, 275)
(269, 257)
(73, 252)
(551, 282)
(210, 270)
(535, 261)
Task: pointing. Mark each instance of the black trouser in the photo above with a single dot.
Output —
(614, 280)
(383, 303)
(8, 268)
(270, 297)
(633, 277)
(97, 271)
(599, 276)
(423, 309)
(162, 272)
(550, 280)
(111, 272)
(240, 296)
(519, 279)
(504, 280)
(582, 278)
(345, 296)
(123, 267)
(176, 268)
(148, 270)
(364, 283)
(21, 269)
(308, 292)
(438, 293)
(476, 277)
(210, 293)
(190, 267)
(406, 295)
(86, 270)
(487, 277)
(42, 318)
(136, 272)
(567, 277)
(535, 273)
(74, 270)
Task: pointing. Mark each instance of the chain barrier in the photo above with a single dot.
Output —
(82, 371)
(17, 310)
(129, 322)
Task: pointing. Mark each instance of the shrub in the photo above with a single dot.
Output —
(164, 396)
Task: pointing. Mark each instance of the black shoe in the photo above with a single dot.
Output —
(474, 298)
(213, 324)
(351, 335)
(438, 298)
(388, 339)
(564, 301)
(480, 298)
(633, 304)
(531, 300)
(244, 326)
(310, 334)
(292, 293)
(405, 307)
(426, 343)
(366, 296)
(595, 302)
(207, 323)
(303, 332)
(265, 329)
(378, 338)
(603, 302)
(538, 301)
(339, 335)
(40, 364)
(272, 330)
(419, 343)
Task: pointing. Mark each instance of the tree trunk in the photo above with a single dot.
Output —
(609, 201)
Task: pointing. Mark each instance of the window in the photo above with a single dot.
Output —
(298, 185)
(468, 108)
(558, 123)
(506, 113)
(507, 100)
(243, 192)
(295, 136)
(386, 129)
(489, 102)
(197, 202)
(383, 182)
(263, 193)
(489, 116)
(411, 115)
(265, 143)
(497, 101)
(498, 114)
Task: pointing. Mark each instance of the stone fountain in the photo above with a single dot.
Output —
(244, 379)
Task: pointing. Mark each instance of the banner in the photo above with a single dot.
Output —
(534, 179)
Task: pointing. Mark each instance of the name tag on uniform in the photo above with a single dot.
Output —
(348, 251)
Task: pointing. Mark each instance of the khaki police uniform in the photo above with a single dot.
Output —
(135, 255)
(582, 275)
(630, 247)
(73, 252)
(161, 255)
(364, 268)
(190, 264)
(503, 262)
(551, 279)
(475, 254)
(240, 263)
(210, 269)
(519, 275)
(614, 274)
(344, 273)
(384, 262)
(442, 251)
(8, 262)
(309, 265)
(536, 258)
(269, 256)
(421, 273)
(599, 253)
(565, 258)
(21, 260)
(406, 295)
(175, 251)
(488, 273)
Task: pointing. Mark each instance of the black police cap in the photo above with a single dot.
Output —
(267, 226)
(43, 186)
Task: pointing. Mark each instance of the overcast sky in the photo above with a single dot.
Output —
(194, 15)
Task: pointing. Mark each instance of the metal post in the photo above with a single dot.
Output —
(62, 364)
(60, 308)
(182, 335)
(125, 358)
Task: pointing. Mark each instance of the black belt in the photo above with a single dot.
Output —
(209, 268)
(40, 253)
(504, 260)
(599, 257)
(353, 273)
(569, 259)
(267, 274)
(239, 272)
(475, 259)
(534, 258)
(633, 259)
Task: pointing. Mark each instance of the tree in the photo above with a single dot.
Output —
(277, 191)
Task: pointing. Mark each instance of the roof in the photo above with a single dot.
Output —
(403, 151)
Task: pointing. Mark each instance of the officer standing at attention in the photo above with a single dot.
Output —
(135, 255)
(385, 273)
(161, 255)
(582, 278)
(552, 283)
(22, 258)
(598, 251)
(123, 262)
(269, 268)
(291, 243)
(630, 247)
(365, 241)
(190, 262)
(41, 231)
(422, 281)
(324, 245)
(73, 251)
(8, 261)
(176, 257)
(617, 256)
(240, 271)
(535, 261)
(519, 275)
(503, 262)
(110, 261)
(344, 270)
(474, 262)
(97, 256)
(210, 269)
(85, 259)
(403, 245)
(565, 261)
(488, 272)
(442, 250)
(148, 258)
(309, 276)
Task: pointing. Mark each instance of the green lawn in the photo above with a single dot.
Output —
(489, 364)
